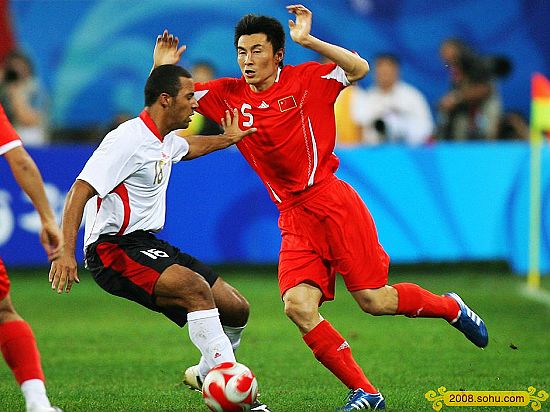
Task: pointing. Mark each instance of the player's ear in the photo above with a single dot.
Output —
(164, 99)
(279, 56)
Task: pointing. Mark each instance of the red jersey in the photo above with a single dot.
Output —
(8, 136)
(293, 147)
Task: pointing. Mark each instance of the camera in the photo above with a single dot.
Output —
(491, 66)
(11, 75)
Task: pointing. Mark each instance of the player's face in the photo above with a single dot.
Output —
(184, 104)
(257, 61)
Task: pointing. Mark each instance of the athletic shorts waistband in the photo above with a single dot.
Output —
(307, 194)
(136, 234)
(112, 237)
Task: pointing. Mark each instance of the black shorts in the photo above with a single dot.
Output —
(130, 265)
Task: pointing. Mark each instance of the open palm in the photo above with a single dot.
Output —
(166, 50)
(299, 29)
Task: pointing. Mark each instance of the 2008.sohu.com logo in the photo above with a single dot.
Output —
(486, 398)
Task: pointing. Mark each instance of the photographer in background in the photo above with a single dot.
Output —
(392, 111)
(471, 110)
(24, 100)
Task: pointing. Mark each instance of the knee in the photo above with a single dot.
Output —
(238, 312)
(7, 312)
(193, 294)
(301, 313)
(243, 310)
(233, 306)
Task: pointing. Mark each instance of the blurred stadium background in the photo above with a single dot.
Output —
(444, 202)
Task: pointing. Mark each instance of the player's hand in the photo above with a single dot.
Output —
(231, 127)
(166, 50)
(51, 239)
(301, 29)
(63, 273)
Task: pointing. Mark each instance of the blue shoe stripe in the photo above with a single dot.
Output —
(470, 323)
(361, 400)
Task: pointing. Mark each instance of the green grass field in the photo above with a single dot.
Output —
(101, 353)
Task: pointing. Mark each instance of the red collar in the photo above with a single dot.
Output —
(146, 117)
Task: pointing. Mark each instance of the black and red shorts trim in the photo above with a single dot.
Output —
(130, 265)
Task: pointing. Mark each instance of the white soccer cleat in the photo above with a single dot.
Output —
(40, 408)
(192, 378)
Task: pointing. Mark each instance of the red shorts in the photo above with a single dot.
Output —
(4, 281)
(330, 231)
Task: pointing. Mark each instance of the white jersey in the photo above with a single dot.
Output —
(130, 171)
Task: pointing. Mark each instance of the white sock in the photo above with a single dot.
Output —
(234, 334)
(206, 333)
(34, 392)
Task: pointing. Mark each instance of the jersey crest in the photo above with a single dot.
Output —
(287, 103)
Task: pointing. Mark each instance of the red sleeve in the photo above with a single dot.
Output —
(8, 135)
(326, 81)
(210, 96)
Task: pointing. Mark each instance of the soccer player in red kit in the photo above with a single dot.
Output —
(17, 341)
(325, 226)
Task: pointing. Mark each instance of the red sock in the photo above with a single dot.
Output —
(413, 301)
(19, 348)
(332, 350)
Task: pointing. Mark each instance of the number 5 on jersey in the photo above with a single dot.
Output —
(249, 116)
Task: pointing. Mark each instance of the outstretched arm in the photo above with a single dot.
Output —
(63, 272)
(201, 145)
(166, 50)
(300, 30)
(28, 177)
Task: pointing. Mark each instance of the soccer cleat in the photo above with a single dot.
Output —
(259, 406)
(359, 399)
(469, 323)
(192, 378)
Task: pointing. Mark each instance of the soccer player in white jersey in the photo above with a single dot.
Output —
(325, 226)
(123, 189)
(17, 342)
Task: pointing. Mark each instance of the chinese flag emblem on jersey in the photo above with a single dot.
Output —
(287, 103)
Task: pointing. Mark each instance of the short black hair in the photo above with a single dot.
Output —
(164, 79)
(390, 57)
(272, 28)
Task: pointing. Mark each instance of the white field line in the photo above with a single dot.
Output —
(537, 295)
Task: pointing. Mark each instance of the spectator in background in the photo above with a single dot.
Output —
(392, 110)
(472, 108)
(202, 71)
(6, 32)
(117, 120)
(348, 132)
(513, 125)
(24, 100)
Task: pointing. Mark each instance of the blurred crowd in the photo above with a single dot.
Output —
(24, 99)
(391, 110)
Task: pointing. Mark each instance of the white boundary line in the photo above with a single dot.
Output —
(538, 295)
